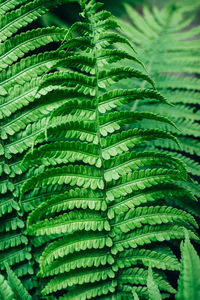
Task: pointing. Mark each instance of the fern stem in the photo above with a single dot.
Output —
(97, 105)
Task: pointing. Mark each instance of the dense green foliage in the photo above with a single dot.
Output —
(105, 211)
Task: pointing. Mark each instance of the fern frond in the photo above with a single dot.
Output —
(15, 256)
(75, 243)
(20, 111)
(27, 68)
(106, 78)
(7, 205)
(23, 140)
(64, 152)
(88, 177)
(12, 240)
(19, 291)
(6, 291)
(188, 284)
(78, 198)
(171, 58)
(11, 224)
(191, 164)
(112, 122)
(67, 280)
(154, 293)
(98, 198)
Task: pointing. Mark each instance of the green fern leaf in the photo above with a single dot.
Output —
(102, 205)
(135, 295)
(153, 290)
(188, 284)
(175, 59)
(19, 291)
(5, 291)
(76, 243)
(20, 111)
(64, 152)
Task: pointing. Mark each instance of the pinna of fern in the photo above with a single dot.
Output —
(107, 209)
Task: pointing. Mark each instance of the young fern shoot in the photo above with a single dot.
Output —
(104, 204)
